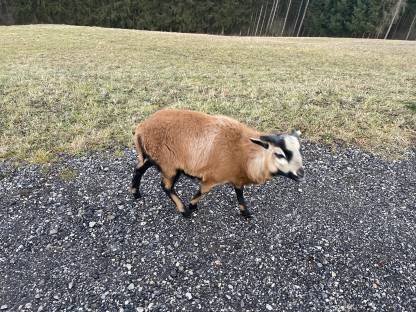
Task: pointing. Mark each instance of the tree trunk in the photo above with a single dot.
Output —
(410, 28)
(303, 18)
(297, 18)
(253, 27)
(249, 25)
(270, 16)
(264, 17)
(258, 21)
(396, 26)
(287, 13)
(274, 15)
(396, 11)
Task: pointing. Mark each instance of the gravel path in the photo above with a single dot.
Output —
(342, 241)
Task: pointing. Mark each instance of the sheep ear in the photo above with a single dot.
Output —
(296, 133)
(260, 142)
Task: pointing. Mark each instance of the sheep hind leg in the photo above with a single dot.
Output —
(204, 188)
(137, 176)
(168, 185)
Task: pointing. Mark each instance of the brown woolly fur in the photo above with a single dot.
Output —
(215, 149)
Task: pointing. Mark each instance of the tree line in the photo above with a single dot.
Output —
(388, 19)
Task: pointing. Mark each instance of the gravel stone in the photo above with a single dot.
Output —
(131, 286)
(53, 230)
(341, 241)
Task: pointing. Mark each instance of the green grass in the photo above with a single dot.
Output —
(74, 89)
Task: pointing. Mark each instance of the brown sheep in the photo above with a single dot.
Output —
(215, 149)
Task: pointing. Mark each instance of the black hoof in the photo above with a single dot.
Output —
(246, 214)
(137, 195)
(187, 213)
(193, 207)
(135, 192)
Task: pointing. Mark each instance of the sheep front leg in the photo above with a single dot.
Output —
(242, 202)
(204, 188)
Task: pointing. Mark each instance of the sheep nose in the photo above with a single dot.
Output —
(300, 173)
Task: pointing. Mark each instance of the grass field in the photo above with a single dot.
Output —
(72, 89)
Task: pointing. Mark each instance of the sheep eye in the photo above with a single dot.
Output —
(280, 156)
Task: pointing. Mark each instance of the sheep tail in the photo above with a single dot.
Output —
(138, 143)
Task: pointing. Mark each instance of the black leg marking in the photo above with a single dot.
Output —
(204, 188)
(193, 204)
(137, 176)
(242, 202)
(240, 195)
(170, 191)
(246, 214)
(187, 213)
(164, 188)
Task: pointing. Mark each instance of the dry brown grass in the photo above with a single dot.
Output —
(73, 89)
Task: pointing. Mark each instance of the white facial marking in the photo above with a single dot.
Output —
(291, 164)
